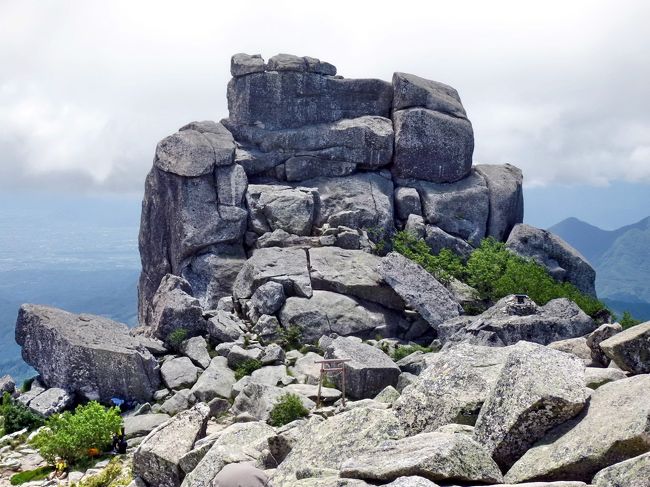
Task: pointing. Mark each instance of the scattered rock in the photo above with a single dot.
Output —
(282, 208)
(216, 381)
(504, 183)
(434, 456)
(7, 384)
(51, 401)
(633, 472)
(225, 327)
(239, 355)
(577, 347)
(179, 373)
(369, 370)
(88, 355)
(630, 349)
(612, 429)
(258, 400)
(407, 202)
(596, 377)
(196, 349)
(603, 332)
(180, 401)
(266, 300)
(143, 424)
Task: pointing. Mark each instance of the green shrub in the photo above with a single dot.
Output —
(16, 416)
(494, 272)
(39, 473)
(26, 386)
(628, 321)
(176, 337)
(111, 476)
(291, 337)
(288, 408)
(405, 350)
(247, 368)
(71, 435)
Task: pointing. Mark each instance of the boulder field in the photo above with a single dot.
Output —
(261, 245)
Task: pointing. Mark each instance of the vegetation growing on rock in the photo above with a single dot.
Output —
(288, 408)
(247, 368)
(16, 417)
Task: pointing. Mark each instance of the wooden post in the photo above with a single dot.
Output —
(334, 366)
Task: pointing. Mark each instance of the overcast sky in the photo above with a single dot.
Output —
(87, 88)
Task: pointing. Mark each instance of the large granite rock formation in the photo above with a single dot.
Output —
(88, 355)
(563, 262)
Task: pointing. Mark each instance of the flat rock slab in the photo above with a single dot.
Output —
(435, 456)
(419, 289)
(612, 429)
(88, 355)
(352, 272)
(369, 370)
(452, 389)
(157, 458)
(344, 435)
(51, 401)
(630, 349)
(538, 389)
(143, 424)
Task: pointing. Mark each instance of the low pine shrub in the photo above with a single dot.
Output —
(628, 321)
(39, 473)
(112, 476)
(72, 435)
(16, 416)
(405, 350)
(291, 338)
(176, 337)
(288, 408)
(247, 368)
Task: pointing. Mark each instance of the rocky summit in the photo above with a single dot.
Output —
(269, 247)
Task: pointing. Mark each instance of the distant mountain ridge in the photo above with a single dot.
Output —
(621, 258)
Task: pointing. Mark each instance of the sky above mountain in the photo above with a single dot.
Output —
(559, 89)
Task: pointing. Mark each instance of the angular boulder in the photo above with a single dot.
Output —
(225, 327)
(216, 381)
(434, 456)
(143, 424)
(196, 349)
(506, 197)
(369, 370)
(452, 389)
(277, 207)
(88, 355)
(338, 438)
(258, 400)
(563, 262)
(327, 312)
(600, 334)
(596, 376)
(537, 390)
(156, 458)
(351, 272)
(419, 289)
(630, 349)
(7, 384)
(179, 373)
(513, 319)
(612, 429)
(51, 401)
(633, 472)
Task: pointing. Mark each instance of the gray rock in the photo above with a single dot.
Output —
(407, 202)
(216, 381)
(327, 312)
(36, 388)
(411, 481)
(280, 238)
(273, 355)
(300, 168)
(231, 184)
(242, 64)
(51, 401)
(179, 373)
(432, 146)
(211, 274)
(338, 438)
(156, 458)
(196, 349)
(537, 390)
(7, 384)
(504, 184)
(286, 266)
(179, 401)
(327, 394)
(225, 327)
(412, 91)
(328, 149)
(563, 262)
(437, 239)
(282, 207)
(404, 380)
(603, 332)
(596, 377)
(351, 272)
(240, 442)
(267, 328)
(419, 289)
(272, 375)
(434, 456)
(577, 347)
(305, 369)
(358, 201)
(630, 349)
(218, 136)
(388, 395)
(508, 322)
(368, 372)
(239, 355)
(452, 389)
(87, 355)
(290, 62)
(173, 308)
(266, 300)
(258, 400)
(289, 99)
(633, 472)
(188, 153)
(612, 429)
(191, 459)
(142, 424)
(460, 208)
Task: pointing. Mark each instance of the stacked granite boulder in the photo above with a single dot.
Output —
(309, 171)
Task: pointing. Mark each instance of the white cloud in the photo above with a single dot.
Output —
(87, 88)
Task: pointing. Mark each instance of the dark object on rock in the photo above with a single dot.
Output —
(91, 356)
